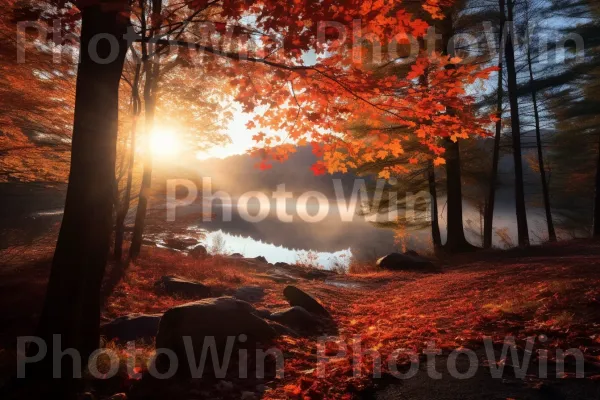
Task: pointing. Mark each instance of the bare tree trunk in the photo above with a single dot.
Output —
(540, 152)
(435, 224)
(72, 305)
(491, 199)
(522, 228)
(124, 206)
(152, 70)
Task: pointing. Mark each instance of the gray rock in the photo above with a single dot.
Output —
(181, 287)
(131, 327)
(199, 252)
(297, 297)
(261, 259)
(298, 319)
(250, 294)
(236, 255)
(404, 262)
(217, 319)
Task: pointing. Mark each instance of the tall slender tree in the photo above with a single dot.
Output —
(491, 197)
(522, 226)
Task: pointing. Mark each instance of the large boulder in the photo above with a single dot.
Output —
(176, 286)
(220, 319)
(297, 297)
(298, 319)
(131, 327)
(404, 262)
(250, 294)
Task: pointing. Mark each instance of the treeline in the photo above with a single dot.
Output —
(544, 94)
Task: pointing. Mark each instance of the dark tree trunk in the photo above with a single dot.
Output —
(522, 228)
(142, 208)
(124, 206)
(540, 153)
(488, 222)
(597, 198)
(152, 70)
(72, 304)
(456, 240)
(435, 223)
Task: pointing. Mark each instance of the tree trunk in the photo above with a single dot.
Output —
(142, 207)
(491, 199)
(522, 228)
(540, 153)
(152, 70)
(456, 240)
(124, 206)
(435, 224)
(72, 304)
(597, 198)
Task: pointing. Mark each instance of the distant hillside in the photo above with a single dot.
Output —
(238, 174)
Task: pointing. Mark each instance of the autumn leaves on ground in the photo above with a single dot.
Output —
(550, 290)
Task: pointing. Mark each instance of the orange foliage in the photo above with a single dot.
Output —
(401, 310)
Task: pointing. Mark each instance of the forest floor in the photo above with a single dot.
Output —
(549, 295)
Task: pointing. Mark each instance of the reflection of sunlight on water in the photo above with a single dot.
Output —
(251, 248)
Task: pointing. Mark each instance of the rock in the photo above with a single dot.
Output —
(404, 262)
(282, 265)
(219, 319)
(250, 294)
(236, 255)
(180, 243)
(248, 396)
(261, 259)
(148, 242)
(178, 286)
(297, 297)
(298, 319)
(199, 252)
(283, 330)
(313, 274)
(262, 312)
(131, 327)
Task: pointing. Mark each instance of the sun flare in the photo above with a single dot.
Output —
(165, 143)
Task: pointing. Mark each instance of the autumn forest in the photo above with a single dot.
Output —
(300, 199)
